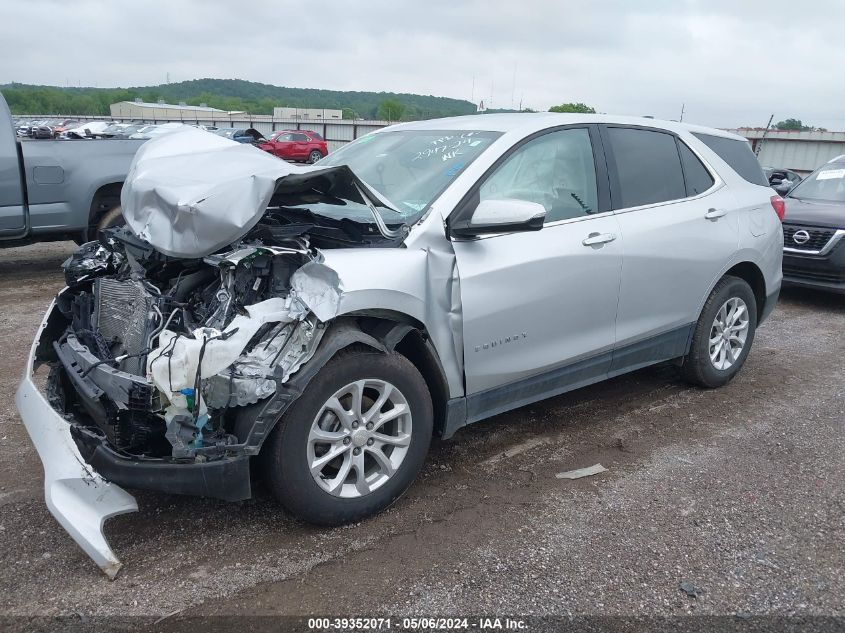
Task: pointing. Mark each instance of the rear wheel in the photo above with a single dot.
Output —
(314, 156)
(353, 442)
(723, 335)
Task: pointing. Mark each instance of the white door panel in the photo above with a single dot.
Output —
(672, 255)
(538, 300)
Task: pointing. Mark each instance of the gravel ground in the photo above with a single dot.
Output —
(734, 495)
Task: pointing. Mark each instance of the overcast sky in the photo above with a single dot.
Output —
(731, 62)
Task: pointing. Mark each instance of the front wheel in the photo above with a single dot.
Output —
(723, 334)
(353, 442)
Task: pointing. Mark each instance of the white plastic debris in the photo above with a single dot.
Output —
(172, 366)
(595, 469)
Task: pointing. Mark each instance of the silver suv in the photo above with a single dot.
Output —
(326, 321)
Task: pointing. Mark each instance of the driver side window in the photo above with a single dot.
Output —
(556, 170)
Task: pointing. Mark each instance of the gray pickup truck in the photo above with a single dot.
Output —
(58, 190)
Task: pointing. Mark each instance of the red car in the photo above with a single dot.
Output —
(301, 145)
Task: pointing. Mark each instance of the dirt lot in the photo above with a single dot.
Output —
(738, 492)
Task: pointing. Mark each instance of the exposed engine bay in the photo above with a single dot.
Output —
(160, 354)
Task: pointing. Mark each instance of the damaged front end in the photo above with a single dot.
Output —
(153, 364)
(171, 352)
(158, 353)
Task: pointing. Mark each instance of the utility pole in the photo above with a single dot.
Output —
(513, 85)
(681, 120)
(763, 138)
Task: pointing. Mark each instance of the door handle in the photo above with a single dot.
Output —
(714, 214)
(595, 239)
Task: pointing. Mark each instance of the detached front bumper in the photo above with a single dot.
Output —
(79, 498)
(82, 472)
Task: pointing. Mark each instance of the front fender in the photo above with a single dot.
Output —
(420, 283)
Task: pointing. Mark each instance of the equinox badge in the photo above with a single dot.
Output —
(501, 341)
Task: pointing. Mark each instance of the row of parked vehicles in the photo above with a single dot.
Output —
(295, 145)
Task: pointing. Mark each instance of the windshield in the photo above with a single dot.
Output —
(828, 183)
(410, 168)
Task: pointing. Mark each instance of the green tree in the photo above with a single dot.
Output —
(792, 124)
(579, 108)
(390, 110)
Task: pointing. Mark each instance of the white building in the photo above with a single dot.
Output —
(140, 111)
(307, 114)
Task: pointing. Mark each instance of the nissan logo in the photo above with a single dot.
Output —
(801, 237)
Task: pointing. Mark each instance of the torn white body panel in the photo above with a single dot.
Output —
(79, 498)
(319, 288)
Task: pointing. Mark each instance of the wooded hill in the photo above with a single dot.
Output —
(226, 94)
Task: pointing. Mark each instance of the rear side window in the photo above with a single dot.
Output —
(648, 167)
(698, 178)
(738, 155)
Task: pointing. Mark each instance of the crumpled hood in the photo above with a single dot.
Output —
(190, 193)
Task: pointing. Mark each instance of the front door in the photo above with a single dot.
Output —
(539, 308)
(12, 210)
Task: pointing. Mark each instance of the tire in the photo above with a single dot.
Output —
(111, 218)
(699, 367)
(314, 156)
(290, 450)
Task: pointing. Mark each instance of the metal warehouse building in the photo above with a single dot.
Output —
(309, 114)
(799, 151)
(140, 111)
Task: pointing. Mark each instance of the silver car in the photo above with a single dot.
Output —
(328, 320)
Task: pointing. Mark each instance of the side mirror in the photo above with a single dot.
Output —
(501, 216)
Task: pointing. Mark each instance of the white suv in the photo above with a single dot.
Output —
(329, 320)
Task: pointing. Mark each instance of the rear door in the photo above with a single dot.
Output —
(12, 210)
(680, 229)
(539, 307)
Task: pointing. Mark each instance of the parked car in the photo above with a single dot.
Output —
(814, 230)
(86, 130)
(153, 131)
(327, 321)
(241, 135)
(58, 190)
(782, 180)
(296, 145)
(42, 131)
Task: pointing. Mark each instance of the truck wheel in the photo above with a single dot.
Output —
(112, 218)
(353, 442)
(723, 335)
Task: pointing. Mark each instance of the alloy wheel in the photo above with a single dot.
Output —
(728, 333)
(359, 438)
